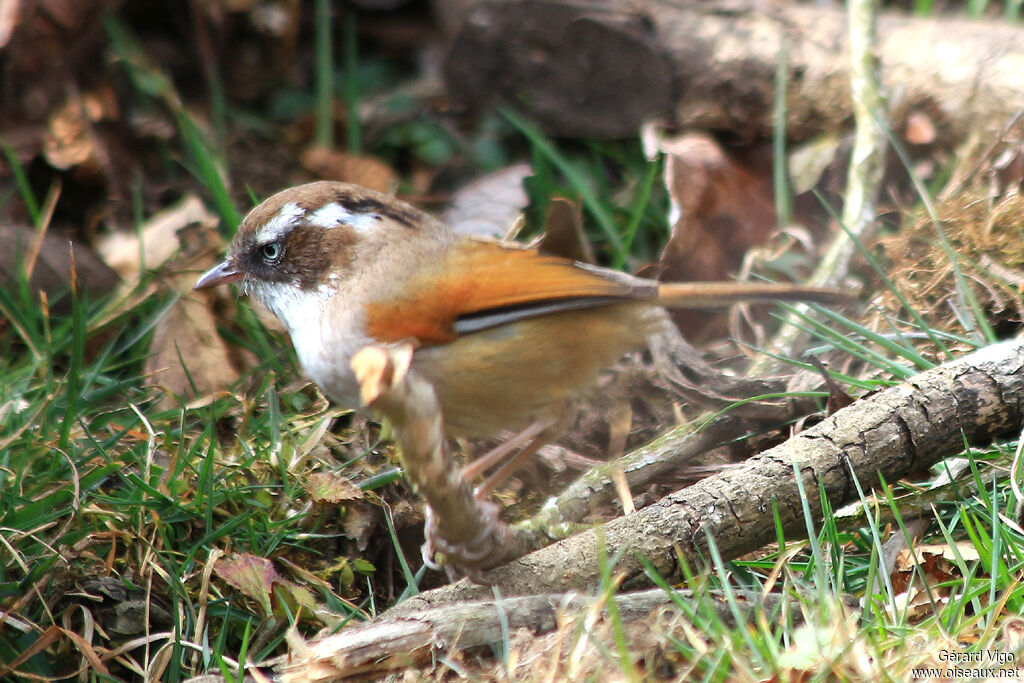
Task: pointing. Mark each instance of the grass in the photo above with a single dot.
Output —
(816, 634)
(324, 131)
(201, 515)
(99, 480)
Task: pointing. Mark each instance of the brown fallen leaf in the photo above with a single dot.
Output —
(1008, 162)
(838, 398)
(1013, 634)
(360, 522)
(721, 206)
(52, 270)
(330, 487)
(809, 161)
(187, 356)
(964, 550)
(70, 142)
(935, 563)
(563, 231)
(132, 252)
(332, 164)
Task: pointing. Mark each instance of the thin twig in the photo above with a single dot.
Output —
(867, 163)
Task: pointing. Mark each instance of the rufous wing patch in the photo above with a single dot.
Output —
(479, 276)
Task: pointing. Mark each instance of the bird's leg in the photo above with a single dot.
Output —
(500, 452)
(469, 556)
(511, 465)
(526, 442)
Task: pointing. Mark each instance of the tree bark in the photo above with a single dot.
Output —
(891, 434)
(387, 644)
(601, 68)
(895, 432)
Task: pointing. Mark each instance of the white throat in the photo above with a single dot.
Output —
(324, 351)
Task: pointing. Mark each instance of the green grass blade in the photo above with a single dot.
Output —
(323, 133)
(24, 186)
(577, 180)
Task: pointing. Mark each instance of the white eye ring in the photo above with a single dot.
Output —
(271, 252)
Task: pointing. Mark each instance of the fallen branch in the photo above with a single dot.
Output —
(558, 517)
(465, 530)
(891, 434)
(588, 68)
(388, 644)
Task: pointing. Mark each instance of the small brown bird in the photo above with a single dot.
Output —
(508, 337)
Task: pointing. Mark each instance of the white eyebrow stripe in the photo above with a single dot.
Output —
(334, 214)
(281, 224)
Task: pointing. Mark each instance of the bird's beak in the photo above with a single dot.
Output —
(220, 274)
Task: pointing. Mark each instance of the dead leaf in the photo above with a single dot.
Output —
(187, 355)
(935, 563)
(1013, 633)
(1008, 166)
(837, 396)
(489, 206)
(256, 578)
(131, 253)
(368, 172)
(808, 161)
(187, 338)
(563, 232)
(69, 141)
(52, 271)
(920, 128)
(914, 604)
(966, 550)
(329, 487)
(361, 520)
(8, 19)
(721, 205)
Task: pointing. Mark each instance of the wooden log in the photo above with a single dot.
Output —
(601, 68)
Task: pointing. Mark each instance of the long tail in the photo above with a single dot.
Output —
(718, 294)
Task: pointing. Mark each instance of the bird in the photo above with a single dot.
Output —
(508, 336)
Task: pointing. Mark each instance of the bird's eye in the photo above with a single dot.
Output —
(271, 252)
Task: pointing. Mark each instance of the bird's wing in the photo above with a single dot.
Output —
(482, 284)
